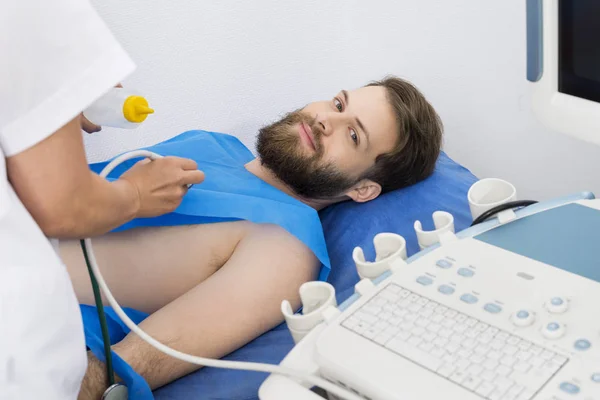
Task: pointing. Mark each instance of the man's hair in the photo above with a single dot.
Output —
(419, 141)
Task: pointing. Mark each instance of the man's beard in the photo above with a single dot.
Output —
(280, 150)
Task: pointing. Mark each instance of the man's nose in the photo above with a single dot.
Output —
(328, 122)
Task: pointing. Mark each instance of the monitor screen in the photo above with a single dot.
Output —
(565, 237)
(579, 48)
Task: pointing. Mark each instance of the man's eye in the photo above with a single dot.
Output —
(338, 105)
(354, 136)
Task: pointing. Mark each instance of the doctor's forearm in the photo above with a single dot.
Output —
(66, 199)
(100, 208)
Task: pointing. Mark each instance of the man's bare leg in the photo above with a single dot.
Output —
(232, 307)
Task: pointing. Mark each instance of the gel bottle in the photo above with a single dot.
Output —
(119, 108)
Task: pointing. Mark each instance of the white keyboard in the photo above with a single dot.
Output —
(481, 358)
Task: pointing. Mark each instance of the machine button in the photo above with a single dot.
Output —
(469, 298)
(523, 318)
(582, 344)
(424, 280)
(446, 289)
(570, 388)
(596, 377)
(445, 264)
(553, 330)
(557, 305)
(466, 272)
(492, 308)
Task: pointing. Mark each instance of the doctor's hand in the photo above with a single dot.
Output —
(162, 183)
(87, 126)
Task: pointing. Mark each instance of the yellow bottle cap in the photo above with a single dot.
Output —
(135, 109)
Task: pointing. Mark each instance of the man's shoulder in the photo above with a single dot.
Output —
(275, 241)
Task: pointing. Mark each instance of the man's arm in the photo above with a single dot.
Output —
(67, 200)
(238, 303)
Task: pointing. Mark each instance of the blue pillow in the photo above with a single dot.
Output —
(345, 226)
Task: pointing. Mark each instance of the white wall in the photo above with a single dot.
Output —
(232, 66)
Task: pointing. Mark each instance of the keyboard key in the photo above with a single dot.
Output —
(392, 288)
(415, 341)
(464, 353)
(458, 377)
(495, 355)
(414, 307)
(491, 364)
(445, 332)
(510, 350)
(513, 340)
(389, 296)
(509, 361)
(429, 337)
(481, 326)
(424, 280)
(503, 370)
(524, 345)
(522, 367)
(433, 327)
(426, 312)
(441, 309)
(446, 370)
(471, 333)
(403, 335)
(496, 395)
(469, 298)
(476, 358)
(437, 318)
(471, 382)
(409, 351)
(485, 338)
(440, 341)
(383, 338)
(371, 309)
(475, 369)
(446, 289)
(452, 347)
(418, 331)
(463, 364)
(450, 313)
(450, 359)
(404, 293)
(426, 346)
(448, 323)
(438, 352)
(569, 388)
(485, 389)
(400, 312)
(411, 317)
(536, 350)
(503, 383)
(524, 355)
(526, 394)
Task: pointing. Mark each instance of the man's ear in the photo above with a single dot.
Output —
(364, 191)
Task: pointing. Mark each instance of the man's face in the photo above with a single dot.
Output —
(322, 150)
